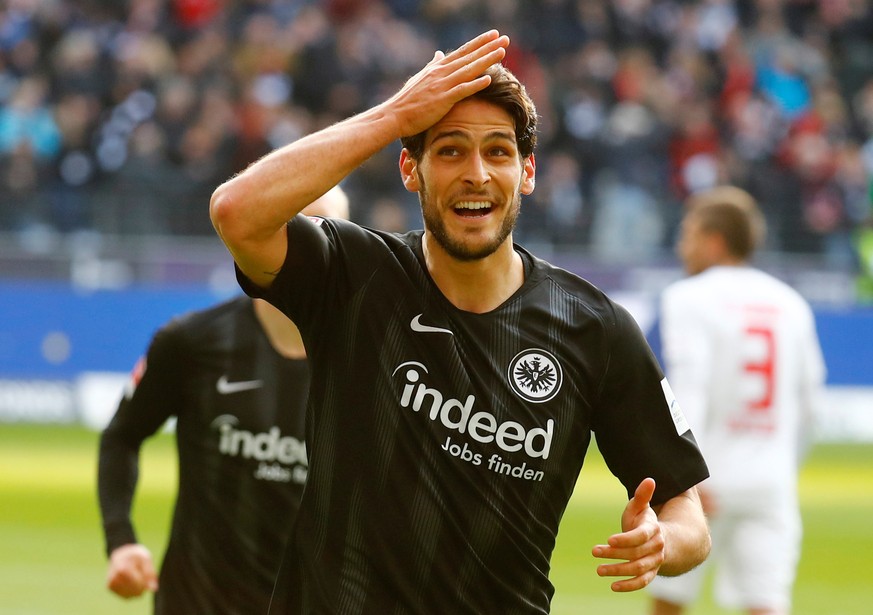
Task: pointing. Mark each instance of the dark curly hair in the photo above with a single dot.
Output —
(507, 92)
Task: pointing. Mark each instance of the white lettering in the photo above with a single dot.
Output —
(546, 435)
(507, 433)
(412, 377)
(435, 405)
(463, 413)
(265, 446)
(462, 452)
(498, 466)
(482, 426)
(482, 422)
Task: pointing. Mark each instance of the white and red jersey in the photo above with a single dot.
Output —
(743, 358)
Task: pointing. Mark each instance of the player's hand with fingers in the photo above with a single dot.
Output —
(131, 571)
(448, 78)
(640, 546)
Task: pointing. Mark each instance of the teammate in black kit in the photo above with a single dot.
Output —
(236, 378)
(457, 378)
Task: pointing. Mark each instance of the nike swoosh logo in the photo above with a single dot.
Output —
(224, 387)
(416, 325)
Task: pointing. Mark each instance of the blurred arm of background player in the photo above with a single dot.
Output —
(131, 568)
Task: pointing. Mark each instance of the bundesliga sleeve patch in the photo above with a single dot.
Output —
(675, 411)
(136, 375)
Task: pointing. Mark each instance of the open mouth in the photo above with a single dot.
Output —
(473, 209)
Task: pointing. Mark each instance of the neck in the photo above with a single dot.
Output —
(730, 261)
(284, 336)
(475, 286)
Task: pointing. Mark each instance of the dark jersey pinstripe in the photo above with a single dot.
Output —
(239, 431)
(444, 445)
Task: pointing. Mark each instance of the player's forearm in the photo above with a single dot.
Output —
(117, 477)
(250, 211)
(686, 533)
(255, 204)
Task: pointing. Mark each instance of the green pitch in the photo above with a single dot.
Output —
(51, 548)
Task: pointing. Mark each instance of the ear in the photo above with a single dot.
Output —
(408, 171)
(528, 175)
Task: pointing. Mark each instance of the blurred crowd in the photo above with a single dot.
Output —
(122, 117)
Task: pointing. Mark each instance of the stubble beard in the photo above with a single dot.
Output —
(459, 249)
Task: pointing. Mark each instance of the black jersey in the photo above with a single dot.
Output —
(239, 407)
(444, 445)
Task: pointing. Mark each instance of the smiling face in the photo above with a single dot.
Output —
(469, 179)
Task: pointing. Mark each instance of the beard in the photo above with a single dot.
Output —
(457, 248)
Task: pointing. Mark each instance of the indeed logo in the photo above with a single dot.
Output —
(265, 446)
(482, 426)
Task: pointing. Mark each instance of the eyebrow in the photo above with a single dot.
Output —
(495, 135)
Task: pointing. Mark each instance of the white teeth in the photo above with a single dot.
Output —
(473, 205)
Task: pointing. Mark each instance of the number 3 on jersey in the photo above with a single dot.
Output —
(759, 369)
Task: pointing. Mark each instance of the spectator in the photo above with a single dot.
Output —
(734, 83)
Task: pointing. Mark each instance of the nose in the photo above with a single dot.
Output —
(476, 172)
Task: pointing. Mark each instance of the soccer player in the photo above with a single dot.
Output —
(742, 353)
(236, 378)
(457, 378)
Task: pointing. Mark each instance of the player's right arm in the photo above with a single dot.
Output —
(249, 211)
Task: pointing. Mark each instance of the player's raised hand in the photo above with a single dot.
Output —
(640, 545)
(448, 78)
(131, 571)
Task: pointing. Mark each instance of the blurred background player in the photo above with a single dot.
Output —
(742, 355)
(236, 378)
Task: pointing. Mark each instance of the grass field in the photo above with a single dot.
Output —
(51, 547)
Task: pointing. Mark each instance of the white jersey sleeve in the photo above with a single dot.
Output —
(688, 356)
